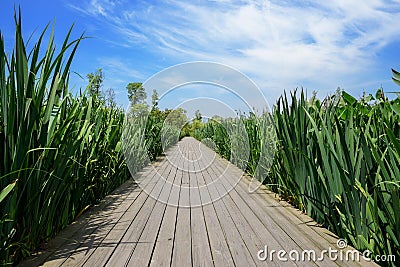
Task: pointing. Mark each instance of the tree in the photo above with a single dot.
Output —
(139, 110)
(197, 115)
(154, 98)
(95, 82)
(176, 117)
(110, 97)
(136, 93)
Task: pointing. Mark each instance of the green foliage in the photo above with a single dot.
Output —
(338, 160)
(110, 98)
(139, 110)
(95, 82)
(217, 132)
(59, 153)
(154, 98)
(7, 190)
(163, 129)
(197, 115)
(136, 93)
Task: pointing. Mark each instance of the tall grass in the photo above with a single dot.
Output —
(59, 153)
(239, 140)
(145, 137)
(338, 160)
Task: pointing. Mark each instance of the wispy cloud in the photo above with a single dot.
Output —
(103, 8)
(280, 44)
(118, 67)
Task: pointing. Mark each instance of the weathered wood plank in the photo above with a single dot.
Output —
(219, 248)
(162, 252)
(82, 240)
(182, 254)
(189, 211)
(239, 251)
(126, 247)
(162, 249)
(111, 241)
(247, 235)
(290, 240)
(201, 251)
(246, 217)
(300, 233)
(143, 251)
(104, 240)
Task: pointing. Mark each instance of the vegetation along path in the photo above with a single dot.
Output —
(189, 211)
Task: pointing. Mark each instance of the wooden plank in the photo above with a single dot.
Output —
(176, 223)
(90, 244)
(247, 236)
(218, 245)
(109, 243)
(182, 254)
(98, 240)
(72, 232)
(84, 239)
(255, 222)
(163, 246)
(201, 251)
(144, 249)
(299, 233)
(240, 253)
(318, 237)
(125, 248)
(289, 240)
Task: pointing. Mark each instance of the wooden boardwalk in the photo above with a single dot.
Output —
(191, 208)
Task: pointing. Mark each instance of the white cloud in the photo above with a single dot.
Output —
(280, 44)
(118, 67)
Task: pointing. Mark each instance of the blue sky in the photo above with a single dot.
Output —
(318, 45)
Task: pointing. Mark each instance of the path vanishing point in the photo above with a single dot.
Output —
(192, 208)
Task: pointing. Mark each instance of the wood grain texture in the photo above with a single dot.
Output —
(192, 208)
